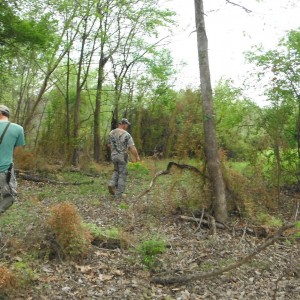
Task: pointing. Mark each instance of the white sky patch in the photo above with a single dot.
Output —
(231, 31)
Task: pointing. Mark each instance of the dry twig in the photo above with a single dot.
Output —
(243, 7)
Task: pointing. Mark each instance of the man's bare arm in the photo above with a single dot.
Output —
(134, 152)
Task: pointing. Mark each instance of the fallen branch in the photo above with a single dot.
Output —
(200, 220)
(45, 180)
(198, 276)
(167, 171)
(203, 221)
(297, 210)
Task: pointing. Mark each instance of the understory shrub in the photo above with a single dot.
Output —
(248, 194)
(149, 249)
(108, 238)
(24, 273)
(7, 279)
(138, 168)
(72, 237)
(268, 220)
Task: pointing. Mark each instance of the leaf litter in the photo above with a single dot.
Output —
(120, 274)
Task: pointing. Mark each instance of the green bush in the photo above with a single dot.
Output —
(149, 250)
(66, 224)
(266, 219)
(24, 273)
(138, 168)
(298, 226)
(98, 232)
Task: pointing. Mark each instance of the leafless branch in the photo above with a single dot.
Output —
(167, 171)
(243, 7)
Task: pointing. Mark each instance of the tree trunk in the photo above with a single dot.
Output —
(97, 147)
(68, 118)
(79, 85)
(211, 148)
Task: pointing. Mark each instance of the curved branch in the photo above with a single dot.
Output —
(198, 276)
(167, 171)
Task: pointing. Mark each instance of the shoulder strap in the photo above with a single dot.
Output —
(3, 133)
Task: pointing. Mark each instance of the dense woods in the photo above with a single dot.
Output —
(70, 70)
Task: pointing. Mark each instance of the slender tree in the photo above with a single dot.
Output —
(211, 147)
(123, 27)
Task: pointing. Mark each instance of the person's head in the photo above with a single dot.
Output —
(124, 124)
(4, 111)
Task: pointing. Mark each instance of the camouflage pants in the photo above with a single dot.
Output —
(120, 173)
(8, 192)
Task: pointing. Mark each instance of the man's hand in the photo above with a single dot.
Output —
(135, 153)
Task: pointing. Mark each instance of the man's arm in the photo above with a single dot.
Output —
(134, 152)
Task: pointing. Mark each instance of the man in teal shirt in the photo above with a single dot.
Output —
(11, 136)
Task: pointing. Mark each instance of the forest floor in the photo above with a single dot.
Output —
(113, 271)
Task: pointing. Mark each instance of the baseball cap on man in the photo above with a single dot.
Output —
(125, 121)
(4, 109)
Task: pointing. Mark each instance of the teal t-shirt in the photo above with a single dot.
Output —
(13, 137)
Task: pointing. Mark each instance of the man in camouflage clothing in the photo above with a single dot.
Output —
(120, 141)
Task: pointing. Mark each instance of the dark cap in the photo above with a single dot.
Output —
(4, 109)
(125, 121)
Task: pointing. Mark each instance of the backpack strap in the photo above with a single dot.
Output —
(3, 133)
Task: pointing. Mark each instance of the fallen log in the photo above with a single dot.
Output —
(167, 280)
(45, 180)
(258, 231)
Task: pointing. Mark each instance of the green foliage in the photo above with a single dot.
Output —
(240, 167)
(124, 206)
(278, 70)
(298, 226)
(236, 119)
(247, 190)
(14, 219)
(98, 232)
(149, 250)
(268, 220)
(109, 237)
(14, 30)
(25, 275)
(138, 168)
(186, 139)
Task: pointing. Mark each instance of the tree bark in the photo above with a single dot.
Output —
(211, 148)
(67, 102)
(98, 101)
(79, 85)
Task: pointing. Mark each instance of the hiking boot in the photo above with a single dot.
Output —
(120, 197)
(111, 189)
